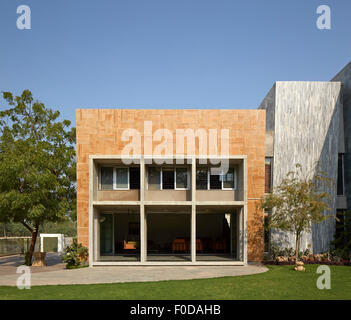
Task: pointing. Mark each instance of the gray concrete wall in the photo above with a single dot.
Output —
(305, 117)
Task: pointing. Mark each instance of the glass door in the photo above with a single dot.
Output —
(106, 234)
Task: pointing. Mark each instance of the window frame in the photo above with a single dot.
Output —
(222, 188)
(115, 178)
(175, 178)
(100, 178)
(187, 178)
(234, 180)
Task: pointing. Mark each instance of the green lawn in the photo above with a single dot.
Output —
(280, 282)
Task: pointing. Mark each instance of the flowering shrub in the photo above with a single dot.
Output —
(75, 255)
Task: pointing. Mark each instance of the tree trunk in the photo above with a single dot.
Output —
(297, 248)
(4, 227)
(32, 245)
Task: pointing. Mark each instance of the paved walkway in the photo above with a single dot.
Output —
(117, 274)
(9, 264)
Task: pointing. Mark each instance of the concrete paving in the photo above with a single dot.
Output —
(119, 274)
(9, 264)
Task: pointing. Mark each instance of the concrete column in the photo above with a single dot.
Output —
(91, 213)
(240, 234)
(143, 234)
(142, 179)
(193, 232)
(245, 239)
(245, 234)
(193, 179)
(96, 235)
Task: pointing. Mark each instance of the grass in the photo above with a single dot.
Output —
(280, 282)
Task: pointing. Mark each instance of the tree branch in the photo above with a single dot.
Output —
(27, 226)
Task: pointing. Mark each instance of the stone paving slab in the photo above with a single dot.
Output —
(120, 274)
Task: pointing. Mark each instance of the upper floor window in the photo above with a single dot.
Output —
(268, 176)
(106, 178)
(119, 178)
(167, 178)
(122, 178)
(340, 184)
(207, 181)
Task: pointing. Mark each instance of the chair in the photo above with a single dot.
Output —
(179, 245)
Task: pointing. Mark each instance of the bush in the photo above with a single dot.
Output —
(75, 255)
(275, 252)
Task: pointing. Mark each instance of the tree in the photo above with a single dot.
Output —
(37, 165)
(298, 203)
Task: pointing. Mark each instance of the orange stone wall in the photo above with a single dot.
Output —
(99, 132)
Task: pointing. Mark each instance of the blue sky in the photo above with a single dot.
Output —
(167, 53)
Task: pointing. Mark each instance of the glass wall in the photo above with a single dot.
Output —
(216, 236)
(168, 236)
(120, 236)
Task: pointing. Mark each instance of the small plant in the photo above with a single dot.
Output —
(298, 202)
(75, 255)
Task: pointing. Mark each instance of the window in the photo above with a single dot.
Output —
(206, 181)
(181, 178)
(268, 175)
(106, 178)
(134, 177)
(116, 179)
(340, 185)
(134, 228)
(201, 179)
(228, 180)
(215, 182)
(168, 178)
(122, 178)
(154, 178)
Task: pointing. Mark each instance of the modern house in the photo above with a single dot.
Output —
(164, 203)
(165, 187)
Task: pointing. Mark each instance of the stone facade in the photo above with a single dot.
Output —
(99, 132)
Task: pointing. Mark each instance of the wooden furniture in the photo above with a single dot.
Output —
(220, 245)
(130, 245)
(179, 245)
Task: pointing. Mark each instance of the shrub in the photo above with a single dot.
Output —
(75, 255)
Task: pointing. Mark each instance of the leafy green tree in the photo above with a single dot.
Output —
(37, 165)
(298, 203)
